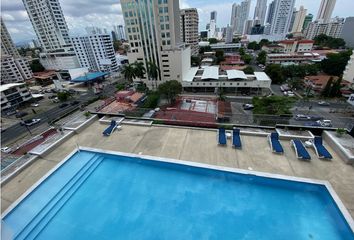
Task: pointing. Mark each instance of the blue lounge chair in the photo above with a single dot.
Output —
(111, 128)
(320, 150)
(236, 140)
(221, 136)
(273, 139)
(300, 150)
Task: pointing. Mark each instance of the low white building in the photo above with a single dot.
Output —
(300, 46)
(212, 78)
(13, 94)
(96, 52)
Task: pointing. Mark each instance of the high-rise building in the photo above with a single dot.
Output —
(242, 16)
(292, 20)
(325, 11)
(53, 34)
(189, 28)
(270, 14)
(260, 11)
(229, 34)
(332, 29)
(153, 32)
(248, 27)
(93, 30)
(212, 26)
(119, 30)
(95, 52)
(283, 10)
(347, 32)
(307, 21)
(235, 9)
(300, 16)
(14, 68)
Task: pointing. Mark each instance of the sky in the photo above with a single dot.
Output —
(106, 13)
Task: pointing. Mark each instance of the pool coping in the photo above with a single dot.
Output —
(325, 183)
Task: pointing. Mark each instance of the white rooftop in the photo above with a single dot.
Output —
(233, 74)
(211, 72)
(261, 76)
(5, 87)
(190, 74)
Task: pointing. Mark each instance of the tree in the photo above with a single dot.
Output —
(212, 40)
(241, 51)
(273, 105)
(219, 54)
(263, 42)
(195, 61)
(327, 89)
(262, 57)
(170, 89)
(253, 45)
(139, 69)
(129, 72)
(63, 96)
(204, 49)
(274, 71)
(323, 40)
(153, 71)
(335, 63)
(117, 45)
(246, 58)
(248, 70)
(36, 66)
(335, 90)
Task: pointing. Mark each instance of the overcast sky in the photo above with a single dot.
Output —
(106, 13)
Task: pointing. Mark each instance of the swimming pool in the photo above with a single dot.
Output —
(95, 195)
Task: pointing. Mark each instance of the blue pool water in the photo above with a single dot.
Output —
(101, 196)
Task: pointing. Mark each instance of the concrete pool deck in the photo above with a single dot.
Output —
(191, 145)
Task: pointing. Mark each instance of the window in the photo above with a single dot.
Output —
(166, 18)
(161, 19)
(163, 35)
(162, 27)
(167, 34)
(167, 26)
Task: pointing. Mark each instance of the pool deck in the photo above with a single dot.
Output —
(191, 145)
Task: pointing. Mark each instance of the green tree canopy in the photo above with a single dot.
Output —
(212, 40)
(262, 57)
(273, 105)
(253, 45)
(335, 63)
(139, 69)
(274, 71)
(248, 70)
(219, 54)
(246, 58)
(36, 66)
(170, 89)
(204, 49)
(129, 72)
(195, 61)
(323, 40)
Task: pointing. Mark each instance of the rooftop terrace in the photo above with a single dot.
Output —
(191, 145)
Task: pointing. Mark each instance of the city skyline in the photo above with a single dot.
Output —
(108, 13)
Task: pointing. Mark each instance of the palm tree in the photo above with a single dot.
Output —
(153, 71)
(139, 69)
(129, 72)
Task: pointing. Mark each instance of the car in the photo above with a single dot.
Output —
(21, 114)
(74, 103)
(55, 100)
(30, 122)
(315, 118)
(63, 105)
(325, 123)
(6, 149)
(301, 117)
(34, 104)
(52, 96)
(11, 112)
(247, 106)
(323, 103)
(290, 94)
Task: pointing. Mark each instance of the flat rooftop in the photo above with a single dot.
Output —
(191, 145)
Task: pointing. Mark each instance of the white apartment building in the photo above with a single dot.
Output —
(189, 28)
(52, 32)
(95, 52)
(348, 74)
(119, 30)
(325, 11)
(299, 46)
(283, 10)
(260, 11)
(332, 29)
(14, 68)
(153, 32)
(299, 20)
(13, 94)
(242, 13)
(212, 26)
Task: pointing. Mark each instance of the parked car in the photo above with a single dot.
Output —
(301, 117)
(290, 94)
(6, 149)
(30, 122)
(21, 114)
(315, 118)
(11, 112)
(325, 123)
(323, 103)
(34, 104)
(247, 106)
(52, 96)
(63, 105)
